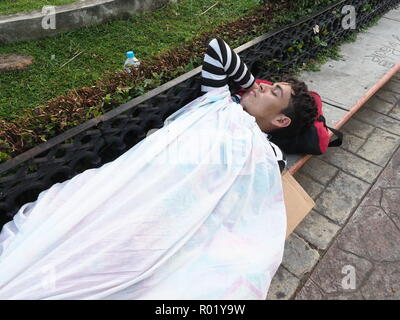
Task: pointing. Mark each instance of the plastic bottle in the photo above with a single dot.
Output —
(131, 61)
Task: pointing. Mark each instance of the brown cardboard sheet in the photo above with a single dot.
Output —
(298, 203)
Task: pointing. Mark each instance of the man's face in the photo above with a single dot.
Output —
(266, 104)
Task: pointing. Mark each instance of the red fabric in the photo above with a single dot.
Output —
(322, 130)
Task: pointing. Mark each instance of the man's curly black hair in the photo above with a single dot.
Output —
(302, 110)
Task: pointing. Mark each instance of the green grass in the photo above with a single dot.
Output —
(13, 6)
(104, 50)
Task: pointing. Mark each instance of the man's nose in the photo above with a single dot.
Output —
(265, 86)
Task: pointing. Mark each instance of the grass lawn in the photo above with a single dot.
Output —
(13, 6)
(103, 49)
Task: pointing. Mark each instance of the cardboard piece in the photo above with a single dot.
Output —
(298, 203)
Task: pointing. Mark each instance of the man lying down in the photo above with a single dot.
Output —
(194, 211)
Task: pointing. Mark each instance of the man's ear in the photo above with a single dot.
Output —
(281, 121)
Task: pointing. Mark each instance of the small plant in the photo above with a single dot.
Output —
(297, 47)
(94, 112)
(312, 66)
(366, 7)
(269, 63)
(319, 42)
(32, 168)
(4, 157)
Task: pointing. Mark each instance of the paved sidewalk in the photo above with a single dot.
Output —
(354, 228)
(348, 247)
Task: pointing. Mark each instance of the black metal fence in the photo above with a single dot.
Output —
(106, 137)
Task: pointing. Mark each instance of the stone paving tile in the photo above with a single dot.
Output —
(379, 147)
(352, 164)
(309, 185)
(379, 120)
(371, 234)
(310, 291)
(379, 105)
(319, 170)
(374, 197)
(333, 273)
(383, 283)
(341, 197)
(392, 85)
(378, 217)
(283, 285)
(344, 296)
(298, 257)
(395, 113)
(390, 176)
(389, 203)
(369, 243)
(386, 191)
(317, 230)
(389, 96)
(358, 128)
(351, 142)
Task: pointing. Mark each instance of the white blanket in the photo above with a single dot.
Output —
(194, 211)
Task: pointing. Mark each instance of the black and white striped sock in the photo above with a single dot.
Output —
(221, 63)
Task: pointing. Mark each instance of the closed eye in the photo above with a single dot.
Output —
(275, 89)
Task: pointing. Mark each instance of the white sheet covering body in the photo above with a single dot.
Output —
(194, 211)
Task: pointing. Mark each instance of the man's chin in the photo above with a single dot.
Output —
(243, 101)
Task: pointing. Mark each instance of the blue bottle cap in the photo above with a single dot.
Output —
(130, 54)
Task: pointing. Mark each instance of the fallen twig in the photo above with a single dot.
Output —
(209, 8)
(71, 59)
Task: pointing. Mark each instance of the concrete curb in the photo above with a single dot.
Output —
(43, 23)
